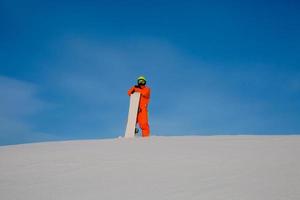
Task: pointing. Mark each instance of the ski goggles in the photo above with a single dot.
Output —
(141, 82)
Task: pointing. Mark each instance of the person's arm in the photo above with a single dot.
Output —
(131, 91)
(144, 92)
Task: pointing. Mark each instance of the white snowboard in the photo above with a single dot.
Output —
(132, 115)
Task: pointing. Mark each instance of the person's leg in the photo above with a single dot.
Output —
(143, 123)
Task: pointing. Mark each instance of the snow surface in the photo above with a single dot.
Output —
(195, 167)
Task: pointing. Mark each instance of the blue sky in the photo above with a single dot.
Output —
(214, 67)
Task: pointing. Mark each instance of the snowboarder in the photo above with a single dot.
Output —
(142, 117)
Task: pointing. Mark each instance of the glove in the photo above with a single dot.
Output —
(137, 86)
(133, 91)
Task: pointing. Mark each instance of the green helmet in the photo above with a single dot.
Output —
(141, 80)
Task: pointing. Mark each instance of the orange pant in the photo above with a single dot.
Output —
(142, 120)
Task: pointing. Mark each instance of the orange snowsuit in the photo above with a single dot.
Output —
(142, 117)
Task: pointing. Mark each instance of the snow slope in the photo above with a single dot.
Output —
(195, 167)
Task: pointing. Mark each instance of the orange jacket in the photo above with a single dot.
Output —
(145, 95)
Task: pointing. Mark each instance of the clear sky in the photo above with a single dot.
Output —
(214, 67)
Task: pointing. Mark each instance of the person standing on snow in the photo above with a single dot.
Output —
(142, 117)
